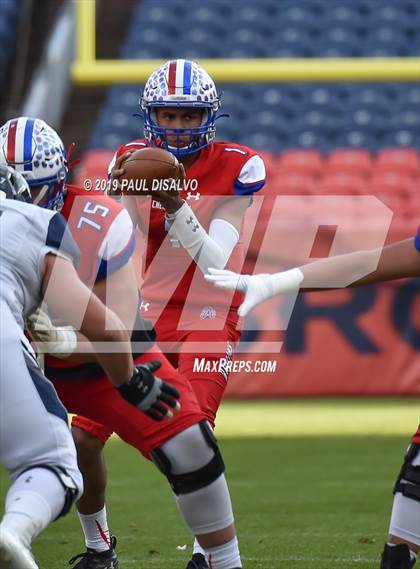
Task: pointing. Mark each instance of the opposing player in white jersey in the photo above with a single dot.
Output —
(395, 261)
(36, 447)
(183, 448)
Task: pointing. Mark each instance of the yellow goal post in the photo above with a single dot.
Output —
(88, 70)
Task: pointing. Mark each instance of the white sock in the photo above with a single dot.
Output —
(95, 528)
(34, 500)
(224, 556)
(197, 548)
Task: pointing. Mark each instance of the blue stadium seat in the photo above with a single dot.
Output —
(356, 138)
(407, 118)
(326, 48)
(291, 35)
(409, 95)
(340, 34)
(375, 48)
(402, 138)
(261, 139)
(322, 95)
(310, 139)
(371, 95)
(387, 34)
(317, 118)
(291, 51)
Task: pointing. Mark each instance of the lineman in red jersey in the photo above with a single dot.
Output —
(398, 260)
(104, 233)
(180, 103)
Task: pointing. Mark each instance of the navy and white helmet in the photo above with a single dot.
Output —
(13, 185)
(180, 83)
(36, 151)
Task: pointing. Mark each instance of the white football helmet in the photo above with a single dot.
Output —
(180, 83)
(36, 151)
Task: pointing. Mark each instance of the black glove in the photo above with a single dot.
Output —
(149, 393)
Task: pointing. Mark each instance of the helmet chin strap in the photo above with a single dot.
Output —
(41, 194)
(175, 148)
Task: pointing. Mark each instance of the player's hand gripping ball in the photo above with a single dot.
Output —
(151, 171)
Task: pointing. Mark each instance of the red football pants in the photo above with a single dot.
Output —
(105, 411)
(207, 371)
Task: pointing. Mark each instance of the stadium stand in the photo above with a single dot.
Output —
(282, 116)
(316, 139)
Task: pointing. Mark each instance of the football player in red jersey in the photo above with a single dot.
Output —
(188, 231)
(104, 232)
(398, 260)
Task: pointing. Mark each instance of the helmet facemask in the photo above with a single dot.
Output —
(51, 194)
(13, 185)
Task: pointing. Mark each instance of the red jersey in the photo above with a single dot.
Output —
(222, 171)
(103, 230)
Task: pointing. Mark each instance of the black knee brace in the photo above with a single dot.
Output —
(410, 487)
(67, 482)
(192, 481)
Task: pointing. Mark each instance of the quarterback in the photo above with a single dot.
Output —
(190, 230)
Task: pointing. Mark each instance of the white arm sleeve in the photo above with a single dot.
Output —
(211, 249)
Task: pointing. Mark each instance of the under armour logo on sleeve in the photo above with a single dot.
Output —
(191, 196)
(191, 220)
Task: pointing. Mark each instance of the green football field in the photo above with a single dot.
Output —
(310, 480)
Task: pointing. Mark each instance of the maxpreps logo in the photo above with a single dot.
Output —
(226, 367)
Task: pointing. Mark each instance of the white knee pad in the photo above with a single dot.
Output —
(193, 465)
(405, 517)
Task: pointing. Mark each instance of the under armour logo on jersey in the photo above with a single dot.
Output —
(145, 306)
(191, 196)
(195, 226)
(208, 313)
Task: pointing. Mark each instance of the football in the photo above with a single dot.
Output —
(145, 169)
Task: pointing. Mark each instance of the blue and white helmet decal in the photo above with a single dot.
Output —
(180, 83)
(36, 151)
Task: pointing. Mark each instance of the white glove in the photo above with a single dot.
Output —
(256, 288)
(61, 341)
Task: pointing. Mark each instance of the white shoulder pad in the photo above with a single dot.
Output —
(119, 235)
(252, 171)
